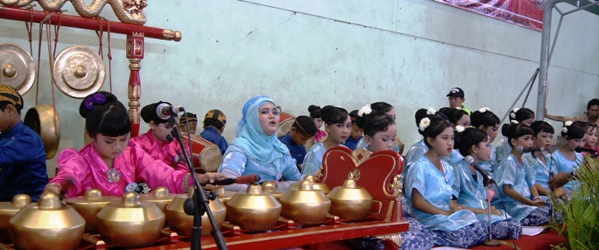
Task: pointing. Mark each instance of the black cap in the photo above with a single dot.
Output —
(457, 92)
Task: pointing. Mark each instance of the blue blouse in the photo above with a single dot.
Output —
(472, 193)
(313, 159)
(436, 189)
(236, 163)
(566, 165)
(541, 169)
(520, 177)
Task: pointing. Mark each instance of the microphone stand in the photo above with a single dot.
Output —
(490, 241)
(198, 205)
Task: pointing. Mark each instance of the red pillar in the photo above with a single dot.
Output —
(135, 52)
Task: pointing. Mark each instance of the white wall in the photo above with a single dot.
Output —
(348, 53)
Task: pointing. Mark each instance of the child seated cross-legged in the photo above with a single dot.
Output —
(470, 186)
(515, 179)
(428, 190)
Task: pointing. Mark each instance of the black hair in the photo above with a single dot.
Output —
(104, 114)
(516, 130)
(454, 115)
(353, 114)
(215, 123)
(436, 126)
(315, 111)
(485, 119)
(541, 126)
(381, 107)
(592, 102)
(421, 113)
(377, 122)
(148, 114)
(521, 115)
(332, 114)
(576, 130)
(468, 138)
(305, 125)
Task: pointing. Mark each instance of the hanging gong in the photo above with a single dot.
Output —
(78, 71)
(16, 67)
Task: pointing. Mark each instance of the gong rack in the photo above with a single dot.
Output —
(135, 44)
(285, 234)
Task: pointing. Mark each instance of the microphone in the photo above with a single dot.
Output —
(588, 150)
(521, 149)
(244, 179)
(486, 175)
(165, 111)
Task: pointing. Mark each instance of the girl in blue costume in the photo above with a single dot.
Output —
(517, 115)
(565, 157)
(337, 124)
(470, 187)
(541, 161)
(428, 190)
(378, 107)
(486, 120)
(515, 179)
(379, 134)
(256, 149)
(420, 148)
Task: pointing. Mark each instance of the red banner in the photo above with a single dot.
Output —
(526, 13)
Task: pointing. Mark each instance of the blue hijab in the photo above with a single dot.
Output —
(252, 140)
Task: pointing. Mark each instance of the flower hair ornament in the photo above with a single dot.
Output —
(424, 123)
(92, 100)
(514, 122)
(566, 125)
(513, 113)
(459, 128)
(431, 111)
(485, 109)
(366, 110)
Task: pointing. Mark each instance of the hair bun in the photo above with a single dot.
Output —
(93, 100)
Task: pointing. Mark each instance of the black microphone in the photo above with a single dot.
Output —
(169, 138)
(244, 179)
(588, 150)
(165, 111)
(521, 149)
(486, 175)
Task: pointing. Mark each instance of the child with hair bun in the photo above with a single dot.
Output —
(377, 107)
(516, 183)
(428, 190)
(517, 116)
(158, 142)
(470, 185)
(486, 120)
(357, 133)
(379, 135)
(565, 157)
(337, 124)
(541, 161)
(110, 162)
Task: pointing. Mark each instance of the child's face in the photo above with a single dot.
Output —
(574, 143)
(492, 132)
(591, 137)
(268, 115)
(593, 112)
(317, 122)
(5, 119)
(339, 131)
(483, 150)
(161, 131)
(442, 144)
(528, 121)
(109, 148)
(525, 141)
(543, 139)
(464, 121)
(298, 138)
(382, 140)
(356, 131)
(192, 127)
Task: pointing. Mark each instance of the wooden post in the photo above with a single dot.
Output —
(135, 52)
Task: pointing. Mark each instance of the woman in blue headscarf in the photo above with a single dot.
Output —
(256, 149)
